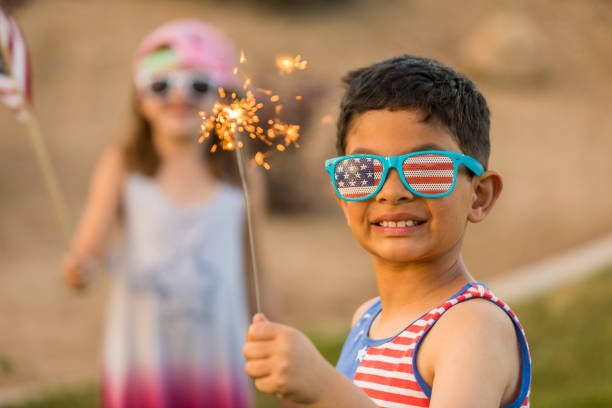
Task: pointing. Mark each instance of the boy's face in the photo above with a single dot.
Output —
(434, 226)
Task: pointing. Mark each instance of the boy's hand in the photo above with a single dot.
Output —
(282, 361)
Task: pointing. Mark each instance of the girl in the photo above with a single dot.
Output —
(178, 313)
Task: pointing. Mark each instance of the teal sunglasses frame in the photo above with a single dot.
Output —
(396, 162)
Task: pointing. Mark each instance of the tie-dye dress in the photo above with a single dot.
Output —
(178, 316)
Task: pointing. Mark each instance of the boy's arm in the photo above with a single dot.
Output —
(282, 361)
(99, 215)
(472, 356)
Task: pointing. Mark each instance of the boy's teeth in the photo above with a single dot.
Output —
(399, 224)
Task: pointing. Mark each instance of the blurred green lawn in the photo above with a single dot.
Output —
(569, 333)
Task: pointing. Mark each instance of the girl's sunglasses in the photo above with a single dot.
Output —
(195, 85)
(430, 173)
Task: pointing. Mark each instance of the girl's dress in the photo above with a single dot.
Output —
(178, 312)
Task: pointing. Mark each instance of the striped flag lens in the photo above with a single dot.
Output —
(357, 177)
(429, 174)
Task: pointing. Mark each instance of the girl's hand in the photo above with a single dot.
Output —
(77, 270)
(282, 361)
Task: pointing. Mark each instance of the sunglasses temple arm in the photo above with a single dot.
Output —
(472, 164)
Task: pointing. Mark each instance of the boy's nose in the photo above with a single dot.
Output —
(393, 191)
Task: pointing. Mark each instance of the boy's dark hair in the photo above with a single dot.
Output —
(443, 95)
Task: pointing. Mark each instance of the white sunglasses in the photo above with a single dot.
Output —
(196, 85)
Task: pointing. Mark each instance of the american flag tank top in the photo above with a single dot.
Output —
(383, 369)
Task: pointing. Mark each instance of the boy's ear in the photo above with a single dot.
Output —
(487, 188)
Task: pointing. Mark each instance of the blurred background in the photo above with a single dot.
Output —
(545, 67)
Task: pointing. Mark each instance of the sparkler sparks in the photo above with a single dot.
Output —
(228, 120)
(326, 119)
(287, 64)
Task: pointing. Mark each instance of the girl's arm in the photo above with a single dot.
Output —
(98, 217)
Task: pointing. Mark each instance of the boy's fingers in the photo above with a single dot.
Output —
(259, 317)
(267, 385)
(256, 350)
(262, 331)
(257, 368)
(271, 385)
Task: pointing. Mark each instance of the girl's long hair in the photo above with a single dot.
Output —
(141, 156)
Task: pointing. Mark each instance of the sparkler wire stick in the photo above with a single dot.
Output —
(247, 204)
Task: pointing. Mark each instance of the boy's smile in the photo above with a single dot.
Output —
(397, 225)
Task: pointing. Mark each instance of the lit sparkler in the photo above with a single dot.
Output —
(230, 120)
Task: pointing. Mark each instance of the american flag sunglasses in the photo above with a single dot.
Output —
(429, 173)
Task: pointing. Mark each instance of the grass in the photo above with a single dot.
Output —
(570, 336)
(87, 396)
(569, 333)
(83, 397)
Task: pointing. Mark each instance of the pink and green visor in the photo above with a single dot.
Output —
(186, 44)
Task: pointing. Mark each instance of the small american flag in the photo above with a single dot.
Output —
(358, 177)
(15, 74)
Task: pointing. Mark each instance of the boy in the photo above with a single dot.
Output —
(414, 140)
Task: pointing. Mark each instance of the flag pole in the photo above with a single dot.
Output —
(26, 114)
(48, 173)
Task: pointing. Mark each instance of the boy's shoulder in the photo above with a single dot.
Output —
(475, 318)
(474, 338)
(362, 309)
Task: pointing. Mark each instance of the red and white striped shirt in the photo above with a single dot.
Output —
(384, 369)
